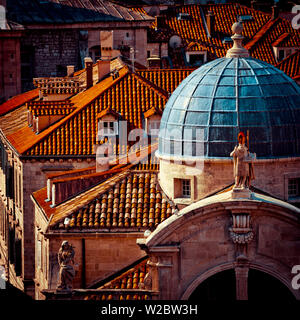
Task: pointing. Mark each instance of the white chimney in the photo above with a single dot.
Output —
(70, 71)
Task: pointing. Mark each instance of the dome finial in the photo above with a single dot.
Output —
(237, 51)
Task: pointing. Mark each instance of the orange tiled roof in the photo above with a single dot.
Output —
(260, 32)
(279, 42)
(225, 15)
(58, 85)
(130, 95)
(134, 201)
(46, 108)
(263, 49)
(290, 65)
(167, 79)
(18, 101)
(131, 279)
(195, 46)
(152, 112)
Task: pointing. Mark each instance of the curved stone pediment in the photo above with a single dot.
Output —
(219, 233)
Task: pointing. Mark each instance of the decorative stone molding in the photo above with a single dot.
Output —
(241, 231)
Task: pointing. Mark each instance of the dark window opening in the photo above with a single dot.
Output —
(10, 182)
(281, 55)
(196, 59)
(18, 264)
(12, 245)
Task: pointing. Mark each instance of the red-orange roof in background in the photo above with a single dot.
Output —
(290, 65)
(167, 79)
(18, 101)
(260, 32)
(130, 279)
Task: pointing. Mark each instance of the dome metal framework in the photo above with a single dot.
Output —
(228, 95)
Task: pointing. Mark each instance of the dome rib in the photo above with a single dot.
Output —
(268, 115)
(214, 93)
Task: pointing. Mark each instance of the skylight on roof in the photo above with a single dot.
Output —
(245, 18)
(227, 40)
(183, 16)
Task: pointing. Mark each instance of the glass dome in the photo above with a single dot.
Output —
(228, 95)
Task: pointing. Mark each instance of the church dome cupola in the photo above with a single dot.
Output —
(228, 95)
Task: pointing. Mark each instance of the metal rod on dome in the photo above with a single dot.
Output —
(248, 140)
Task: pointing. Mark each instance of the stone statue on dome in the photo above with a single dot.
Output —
(242, 160)
(66, 272)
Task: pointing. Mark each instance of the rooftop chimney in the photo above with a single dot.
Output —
(106, 43)
(154, 62)
(103, 68)
(70, 71)
(2, 14)
(88, 62)
(210, 21)
(275, 11)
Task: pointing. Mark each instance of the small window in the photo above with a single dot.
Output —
(153, 128)
(186, 188)
(109, 128)
(95, 53)
(196, 59)
(294, 188)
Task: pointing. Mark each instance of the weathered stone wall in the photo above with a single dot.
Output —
(271, 175)
(52, 48)
(34, 178)
(10, 70)
(30, 176)
(105, 254)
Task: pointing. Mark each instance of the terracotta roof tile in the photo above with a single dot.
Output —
(130, 95)
(290, 65)
(46, 108)
(260, 32)
(18, 101)
(167, 79)
(135, 201)
(131, 279)
(279, 42)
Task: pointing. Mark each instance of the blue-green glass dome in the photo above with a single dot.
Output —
(226, 96)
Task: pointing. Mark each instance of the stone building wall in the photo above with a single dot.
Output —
(29, 176)
(105, 254)
(53, 50)
(10, 69)
(271, 176)
(34, 178)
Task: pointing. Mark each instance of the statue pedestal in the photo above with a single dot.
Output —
(238, 193)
